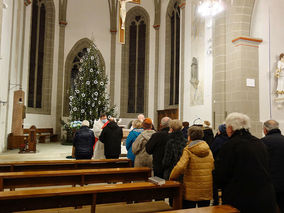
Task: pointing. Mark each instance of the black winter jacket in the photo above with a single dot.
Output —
(173, 152)
(84, 141)
(218, 142)
(111, 137)
(274, 142)
(241, 170)
(156, 147)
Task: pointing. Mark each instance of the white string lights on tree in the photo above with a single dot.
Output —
(210, 7)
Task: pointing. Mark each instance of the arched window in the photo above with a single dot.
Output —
(41, 56)
(135, 64)
(173, 56)
(72, 66)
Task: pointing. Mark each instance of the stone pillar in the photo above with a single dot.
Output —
(156, 26)
(113, 31)
(1, 14)
(219, 71)
(182, 61)
(242, 81)
(60, 90)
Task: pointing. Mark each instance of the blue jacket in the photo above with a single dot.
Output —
(133, 134)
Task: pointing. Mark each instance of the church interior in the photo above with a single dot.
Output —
(160, 57)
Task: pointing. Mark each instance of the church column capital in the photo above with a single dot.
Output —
(246, 41)
(63, 23)
(27, 2)
(156, 27)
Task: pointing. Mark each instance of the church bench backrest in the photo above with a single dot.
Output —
(14, 180)
(89, 195)
(209, 209)
(21, 166)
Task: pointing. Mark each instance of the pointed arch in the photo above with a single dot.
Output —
(41, 57)
(71, 64)
(135, 64)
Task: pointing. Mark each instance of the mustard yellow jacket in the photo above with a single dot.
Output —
(196, 163)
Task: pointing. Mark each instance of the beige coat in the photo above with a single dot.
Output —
(142, 158)
(196, 163)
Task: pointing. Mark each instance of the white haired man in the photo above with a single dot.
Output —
(274, 141)
(241, 169)
(84, 141)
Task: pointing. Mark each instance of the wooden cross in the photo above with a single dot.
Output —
(122, 16)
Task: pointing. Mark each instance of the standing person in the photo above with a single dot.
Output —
(274, 142)
(156, 146)
(111, 138)
(220, 139)
(184, 130)
(83, 142)
(133, 134)
(98, 126)
(142, 158)
(208, 133)
(174, 147)
(196, 163)
(242, 169)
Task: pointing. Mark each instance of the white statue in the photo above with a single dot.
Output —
(123, 12)
(280, 75)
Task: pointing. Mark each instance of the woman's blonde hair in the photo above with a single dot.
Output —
(137, 124)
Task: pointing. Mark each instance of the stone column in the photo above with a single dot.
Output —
(60, 90)
(113, 31)
(1, 14)
(242, 81)
(156, 26)
(182, 62)
(219, 71)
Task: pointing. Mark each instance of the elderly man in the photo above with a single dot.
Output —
(241, 169)
(84, 141)
(274, 141)
(156, 146)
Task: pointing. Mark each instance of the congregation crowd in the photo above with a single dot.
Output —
(247, 171)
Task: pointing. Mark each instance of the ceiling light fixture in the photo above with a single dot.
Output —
(210, 7)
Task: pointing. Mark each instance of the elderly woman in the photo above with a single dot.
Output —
(196, 163)
(241, 169)
(174, 147)
(133, 134)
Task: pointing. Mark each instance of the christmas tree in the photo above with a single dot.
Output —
(89, 98)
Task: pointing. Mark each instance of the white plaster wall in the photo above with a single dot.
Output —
(39, 120)
(4, 68)
(197, 47)
(267, 24)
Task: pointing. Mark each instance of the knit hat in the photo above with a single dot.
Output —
(222, 128)
(147, 123)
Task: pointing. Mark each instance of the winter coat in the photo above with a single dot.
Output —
(218, 142)
(133, 134)
(173, 152)
(111, 137)
(99, 147)
(84, 141)
(242, 171)
(274, 142)
(208, 135)
(142, 158)
(156, 147)
(185, 132)
(196, 163)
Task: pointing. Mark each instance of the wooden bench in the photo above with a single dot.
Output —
(22, 166)
(11, 201)
(209, 209)
(14, 180)
(43, 133)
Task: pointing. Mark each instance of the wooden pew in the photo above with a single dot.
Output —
(11, 201)
(209, 209)
(43, 133)
(14, 180)
(22, 166)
